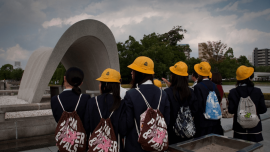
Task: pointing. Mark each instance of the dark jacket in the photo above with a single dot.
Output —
(92, 116)
(136, 106)
(202, 93)
(69, 101)
(174, 108)
(256, 96)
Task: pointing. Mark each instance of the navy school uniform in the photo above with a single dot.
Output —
(205, 126)
(135, 106)
(69, 101)
(174, 108)
(92, 116)
(257, 97)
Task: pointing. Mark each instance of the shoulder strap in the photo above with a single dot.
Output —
(159, 99)
(98, 107)
(214, 87)
(147, 104)
(60, 103)
(204, 85)
(78, 102)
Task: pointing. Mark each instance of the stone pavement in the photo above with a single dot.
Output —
(226, 124)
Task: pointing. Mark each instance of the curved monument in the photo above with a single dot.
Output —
(88, 45)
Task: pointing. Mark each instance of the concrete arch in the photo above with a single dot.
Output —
(87, 44)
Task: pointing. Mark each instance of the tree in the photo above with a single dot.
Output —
(262, 69)
(191, 63)
(17, 74)
(58, 74)
(161, 48)
(229, 53)
(242, 60)
(213, 51)
(5, 71)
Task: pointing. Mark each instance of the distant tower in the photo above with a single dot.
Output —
(17, 64)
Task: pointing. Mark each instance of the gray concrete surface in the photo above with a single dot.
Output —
(88, 44)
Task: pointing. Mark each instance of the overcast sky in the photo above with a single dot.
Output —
(29, 25)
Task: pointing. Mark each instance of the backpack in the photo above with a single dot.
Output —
(184, 125)
(212, 108)
(153, 135)
(246, 114)
(103, 138)
(70, 135)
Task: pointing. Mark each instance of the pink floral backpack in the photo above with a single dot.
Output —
(103, 138)
(153, 135)
(69, 133)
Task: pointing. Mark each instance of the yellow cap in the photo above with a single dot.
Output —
(143, 64)
(157, 83)
(210, 75)
(110, 75)
(180, 68)
(244, 72)
(203, 68)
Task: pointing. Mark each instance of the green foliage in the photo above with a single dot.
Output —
(229, 53)
(58, 74)
(262, 69)
(244, 61)
(191, 62)
(5, 71)
(17, 74)
(161, 48)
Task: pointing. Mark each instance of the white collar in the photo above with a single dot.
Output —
(148, 82)
(67, 89)
(243, 84)
(205, 79)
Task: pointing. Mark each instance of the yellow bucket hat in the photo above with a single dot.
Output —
(244, 72)
(203, 68)
(210, 75)
(157, 83)
(110, 75)
(180, 68)
(143, 64)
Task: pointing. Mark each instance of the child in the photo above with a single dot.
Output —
(109, 101)
(205, 126)
(179, 95)
(245, 88)
(69, 97)
(142, 75)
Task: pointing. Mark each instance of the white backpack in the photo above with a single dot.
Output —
(246, 114)
(212, 109)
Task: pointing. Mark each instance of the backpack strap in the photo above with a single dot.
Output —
(204, 85)
(60, 103)
(147, 104)
(159, 99)
(98, 107)
(78, 102)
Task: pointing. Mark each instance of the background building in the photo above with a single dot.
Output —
(261, 57)
(249, 57)
(200, 50)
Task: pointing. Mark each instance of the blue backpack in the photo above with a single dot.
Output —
(212, 108)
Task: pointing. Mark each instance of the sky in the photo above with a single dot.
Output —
(30, 25)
